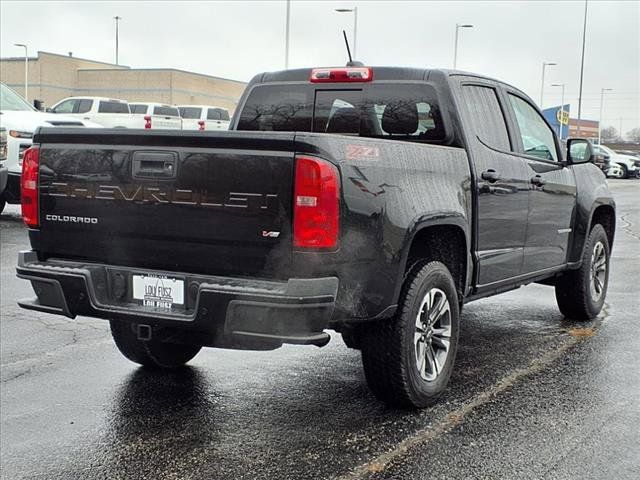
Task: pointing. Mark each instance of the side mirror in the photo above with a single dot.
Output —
(49, 110)
(579, 151)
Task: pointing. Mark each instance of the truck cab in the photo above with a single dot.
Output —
(157, 115)
(204, 117)
(108, 112)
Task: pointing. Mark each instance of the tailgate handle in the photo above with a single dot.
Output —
(154, 164)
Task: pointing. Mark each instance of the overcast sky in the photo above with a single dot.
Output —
(509, 41)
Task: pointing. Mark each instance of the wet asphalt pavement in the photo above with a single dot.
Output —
(533, 396)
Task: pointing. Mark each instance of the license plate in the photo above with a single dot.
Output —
(158, 291)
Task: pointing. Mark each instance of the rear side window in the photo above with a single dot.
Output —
(166, 111)
(485, 113)
(142, 109)
(398, 111)
(217, 114)
(112, 107)
(84, 106)
(190, 112)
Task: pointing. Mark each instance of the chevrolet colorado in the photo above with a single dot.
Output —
(371, 201)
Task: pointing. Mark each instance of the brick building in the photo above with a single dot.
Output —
(53, 77)
(588, 128)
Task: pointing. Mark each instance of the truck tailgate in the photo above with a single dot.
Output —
(215, 203)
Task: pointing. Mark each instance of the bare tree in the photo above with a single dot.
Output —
(633, 135)
(609, 134)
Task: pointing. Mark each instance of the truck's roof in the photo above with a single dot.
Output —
(87, 97)
(379, 73)
(201, 106)
(152, 104)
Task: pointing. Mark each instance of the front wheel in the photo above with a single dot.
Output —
(625, 171)
(408, 360)
(580, 293)
(150, 353)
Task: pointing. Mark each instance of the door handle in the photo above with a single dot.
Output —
(154, 164)
(490, 175)
(538, 181)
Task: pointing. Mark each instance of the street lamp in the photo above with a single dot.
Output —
(455, 45)
(355, 25)
(117, 19)
(26, 70)
(561, 108)
(286, 35)
(602, 90)
(544, 66)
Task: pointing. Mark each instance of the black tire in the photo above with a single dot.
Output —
(2, 204)
(625, 171)
(390, 350)
(352, 337)
(151, 353)
(576, 297)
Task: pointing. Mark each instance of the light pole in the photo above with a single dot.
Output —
(355, 25)
(544, 66)
(117, 19)
(26, 70)
(286, 35)
(561, 108)
(455, 44)
(602, 90)
(584, 39)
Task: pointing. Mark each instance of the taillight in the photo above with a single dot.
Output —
(340, 75)
(316, 204)
(29, 186)
(147, 121)
(201, 125)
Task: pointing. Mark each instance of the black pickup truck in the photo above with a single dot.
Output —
(371, 201)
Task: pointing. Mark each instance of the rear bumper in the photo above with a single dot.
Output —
(218, 311)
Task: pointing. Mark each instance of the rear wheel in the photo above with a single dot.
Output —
(352, 337)
(581, 293)
(148, 352)
(408, 360)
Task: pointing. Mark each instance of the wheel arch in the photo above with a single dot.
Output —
(604, 215)
(602, 212)
(443, 239)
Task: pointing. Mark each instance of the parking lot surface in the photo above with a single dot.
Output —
(532, 396)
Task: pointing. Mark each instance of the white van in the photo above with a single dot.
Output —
(156, 115)
(204, 117)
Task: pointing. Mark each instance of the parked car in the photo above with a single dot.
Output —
(371, 201)
(156, 115)
(108, 112)
(20, 120)
(629, 164)
(3, 168)
(632, 153)
(204, 117)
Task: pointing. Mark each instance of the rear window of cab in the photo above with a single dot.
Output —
(112, 107)
(190, 112)
(387, 110)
